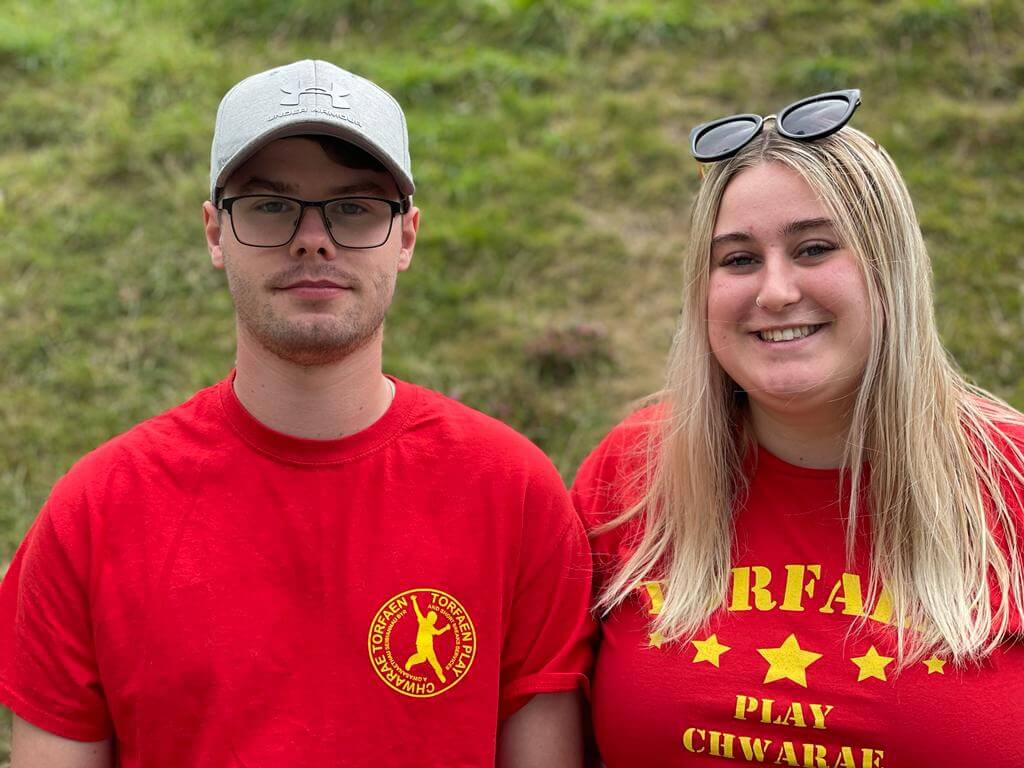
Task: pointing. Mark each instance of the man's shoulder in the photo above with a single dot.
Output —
(166, 438)
(465, 429)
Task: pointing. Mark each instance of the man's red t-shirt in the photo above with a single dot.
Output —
(214, 593)
(783, 675)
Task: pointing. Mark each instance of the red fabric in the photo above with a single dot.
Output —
(674, 706)
(218, 594)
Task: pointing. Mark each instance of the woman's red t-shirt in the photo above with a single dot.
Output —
(784, 674)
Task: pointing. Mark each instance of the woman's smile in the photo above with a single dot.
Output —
(788, 311)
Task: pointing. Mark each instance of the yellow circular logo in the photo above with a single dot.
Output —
(422, 642)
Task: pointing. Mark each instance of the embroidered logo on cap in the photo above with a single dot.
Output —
(338, 96)
(422, 642)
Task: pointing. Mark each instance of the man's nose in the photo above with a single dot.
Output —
(313, 236)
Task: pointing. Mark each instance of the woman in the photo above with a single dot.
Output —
(808, 550)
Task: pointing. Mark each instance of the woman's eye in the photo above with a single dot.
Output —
(737, 260)
(816, 249)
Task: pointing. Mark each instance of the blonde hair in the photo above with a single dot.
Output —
(945, 480)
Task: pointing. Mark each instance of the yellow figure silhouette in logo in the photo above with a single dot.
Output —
(425, 634)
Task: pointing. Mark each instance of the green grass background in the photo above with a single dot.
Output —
(549, 148)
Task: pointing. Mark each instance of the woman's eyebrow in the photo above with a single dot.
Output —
(731, 237)
(793, 228)
(796, 227)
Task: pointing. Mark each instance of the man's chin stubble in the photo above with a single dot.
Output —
(312, 346)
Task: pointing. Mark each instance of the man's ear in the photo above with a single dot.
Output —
(410, 226)
(211, 223)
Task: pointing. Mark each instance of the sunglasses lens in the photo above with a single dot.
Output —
(725, 137)
(816, 117)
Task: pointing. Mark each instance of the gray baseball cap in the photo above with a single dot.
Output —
(309, 97)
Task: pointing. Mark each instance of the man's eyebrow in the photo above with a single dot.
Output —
(256, 182)
(361, 187)
(796, 227)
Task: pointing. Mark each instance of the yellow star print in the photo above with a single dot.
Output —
(789, 661)
(709, 650)
(935, 665)
(656, 640)
(871, 664)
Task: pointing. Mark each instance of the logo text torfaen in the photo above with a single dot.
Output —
(421, 642)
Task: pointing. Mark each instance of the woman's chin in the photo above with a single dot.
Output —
(796, 396)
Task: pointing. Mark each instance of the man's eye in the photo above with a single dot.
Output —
(272, 206)
(351, 209)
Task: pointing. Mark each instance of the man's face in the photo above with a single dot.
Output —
(310, 301)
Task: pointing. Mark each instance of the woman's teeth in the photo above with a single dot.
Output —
(787, 334)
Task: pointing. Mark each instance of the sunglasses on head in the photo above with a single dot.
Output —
(806, 120)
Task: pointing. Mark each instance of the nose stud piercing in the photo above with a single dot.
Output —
(757, 302)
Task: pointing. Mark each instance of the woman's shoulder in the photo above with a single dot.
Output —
(633, 431)
(998, 447)
(998, 442)
(1008, 430)
(623, 450)
(613, 478)
(999, 420)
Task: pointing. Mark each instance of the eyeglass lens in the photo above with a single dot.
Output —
(355, 222)
(725, 137)
(816, 117)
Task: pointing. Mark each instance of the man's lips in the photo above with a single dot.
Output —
(315, 289)
(314, 284)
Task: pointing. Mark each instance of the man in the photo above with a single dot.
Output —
(243, 580)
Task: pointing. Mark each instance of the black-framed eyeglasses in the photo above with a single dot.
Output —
(806, 120)
(271, 221)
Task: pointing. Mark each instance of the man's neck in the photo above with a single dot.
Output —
(322, 402)
(812, 439)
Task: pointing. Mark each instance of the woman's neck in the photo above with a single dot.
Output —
(813, 440)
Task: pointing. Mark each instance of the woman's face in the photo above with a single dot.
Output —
(788, 310)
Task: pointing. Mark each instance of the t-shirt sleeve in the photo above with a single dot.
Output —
(606, 485)
(547, 645)
(1010, 439)
(48, 670)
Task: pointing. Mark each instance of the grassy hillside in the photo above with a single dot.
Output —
(549, 148)
(548, 141)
